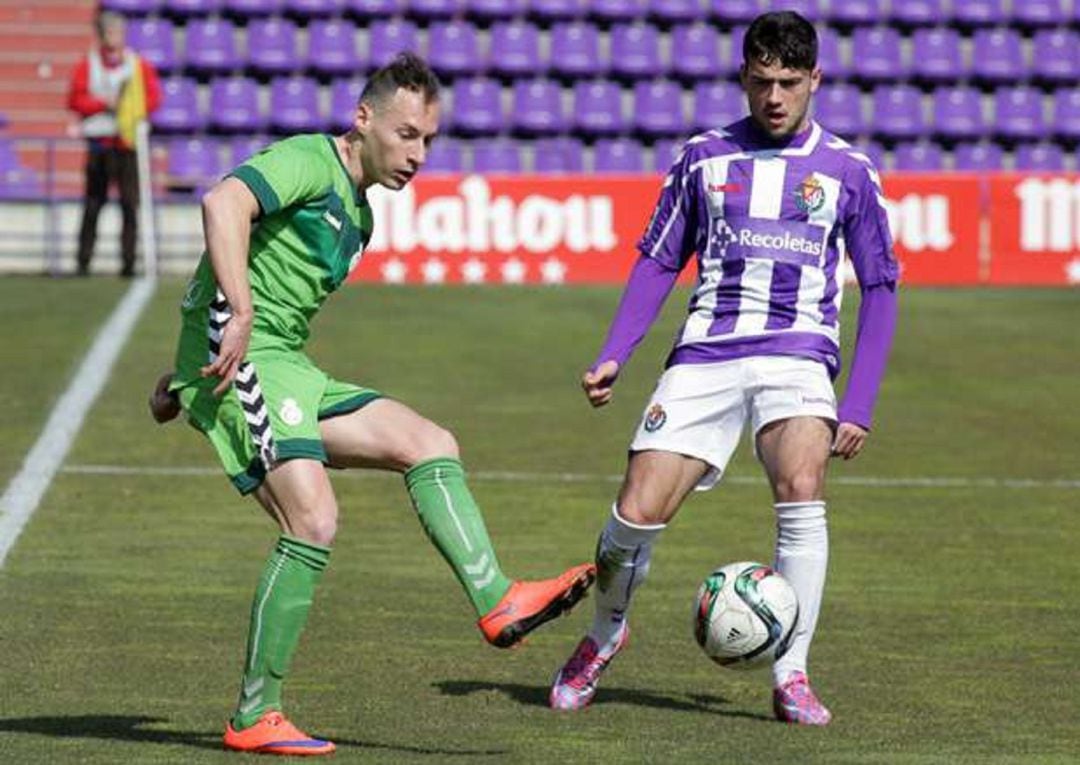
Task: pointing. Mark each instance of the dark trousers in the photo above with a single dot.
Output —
(105, 165)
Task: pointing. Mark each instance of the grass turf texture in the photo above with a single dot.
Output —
(949, 629)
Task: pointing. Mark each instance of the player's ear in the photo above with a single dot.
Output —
(362, 118)
(815, 79)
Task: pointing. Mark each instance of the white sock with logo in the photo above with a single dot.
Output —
(622, 563)
(802, 556)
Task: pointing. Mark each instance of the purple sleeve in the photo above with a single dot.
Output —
(877, 321)
(670, 237)
(866, 229)
(646, 290)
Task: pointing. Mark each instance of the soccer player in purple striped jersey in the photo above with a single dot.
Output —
(769, 206)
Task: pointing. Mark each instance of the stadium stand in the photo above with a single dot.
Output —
(553, 85)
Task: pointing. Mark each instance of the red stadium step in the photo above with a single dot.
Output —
(47, 13)
(45, 38)
(43, 94)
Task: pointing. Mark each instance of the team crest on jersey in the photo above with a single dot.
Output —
(655, 418)
(810, 195)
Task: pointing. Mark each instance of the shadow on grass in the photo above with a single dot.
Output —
(134, 728)
(537, 696)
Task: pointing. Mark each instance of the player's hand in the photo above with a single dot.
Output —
(597, 382)
(849, 441)
(234, 344)
(164, 405)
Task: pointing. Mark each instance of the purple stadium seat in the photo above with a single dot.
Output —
(1039, 13)
(936, 55)
(131, 7)
(153, 39)
(667, 12)
(188, 8)
(979, 13)
(557, 10)
(344, 96)
(897, 112)
(575, 50)
(453, 48)
(838, 109)
(246, 9)
(830, 59)
(665, 152)
(1056, 59)
(477, 106)
(874, 151)
(658, 109)
(234, 105)
(853, 13)
(496, 156)
(388, 38)
(179, 112)
(294, 105)
(272, 47)
(1039, 157)
(515, 49)
(698, 52)
(244, 147)
(558, 155)
(977, 157)
(597, 108)
(332, 47)
(374, 9)
(435, 9)
(211, 46)
(716, 104)
(445, 156)
(876, 55)
(957, 113)
(194, 163)
(1066, 122)
(9, 157)
(1018, 113)
(635, 51)
(734, 11)
(917, 13)
(1000, 57)
(735, 48)
(618, 155)
(921, 156)
(20, 183)
(494, 10)
(610, 11)
(309, 9)
(537, 107)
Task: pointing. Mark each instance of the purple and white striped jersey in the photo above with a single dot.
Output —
(770, 226)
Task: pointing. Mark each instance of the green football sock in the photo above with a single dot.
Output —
(454, 524)
(278, 614)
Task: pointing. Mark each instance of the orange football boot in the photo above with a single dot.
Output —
(274, 734)
(527, 605)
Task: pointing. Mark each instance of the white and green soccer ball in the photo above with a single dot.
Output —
(745, 615)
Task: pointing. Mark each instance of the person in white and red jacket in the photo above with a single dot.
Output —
(111, 87)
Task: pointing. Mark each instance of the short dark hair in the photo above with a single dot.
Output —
(782, 36)
(408, 71)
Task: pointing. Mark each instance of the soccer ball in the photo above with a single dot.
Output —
(745, 615)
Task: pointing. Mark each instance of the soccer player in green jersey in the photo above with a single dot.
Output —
(282, 232)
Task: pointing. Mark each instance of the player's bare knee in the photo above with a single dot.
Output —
(319, 528)
(431, 442)
(799, 487)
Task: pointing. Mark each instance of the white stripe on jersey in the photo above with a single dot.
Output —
(713, 176)
(813, 282)
(766, 198)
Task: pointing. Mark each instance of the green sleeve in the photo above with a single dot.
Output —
(287, 172)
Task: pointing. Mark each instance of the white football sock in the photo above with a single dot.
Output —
(802, 555)
(622, 562)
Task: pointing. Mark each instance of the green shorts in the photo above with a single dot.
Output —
(270, 414)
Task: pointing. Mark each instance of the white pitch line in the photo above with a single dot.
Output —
(885, 482)
(24, 492)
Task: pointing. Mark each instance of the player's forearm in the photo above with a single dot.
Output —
(228, 228)
(877, 323)
(646, 290)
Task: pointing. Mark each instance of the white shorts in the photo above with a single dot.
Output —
(699, 409)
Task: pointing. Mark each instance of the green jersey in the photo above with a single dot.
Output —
(313, 225)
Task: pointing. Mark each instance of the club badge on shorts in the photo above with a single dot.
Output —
(291, 413)
(655, 418)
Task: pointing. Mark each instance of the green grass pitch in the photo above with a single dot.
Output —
(948, 633)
